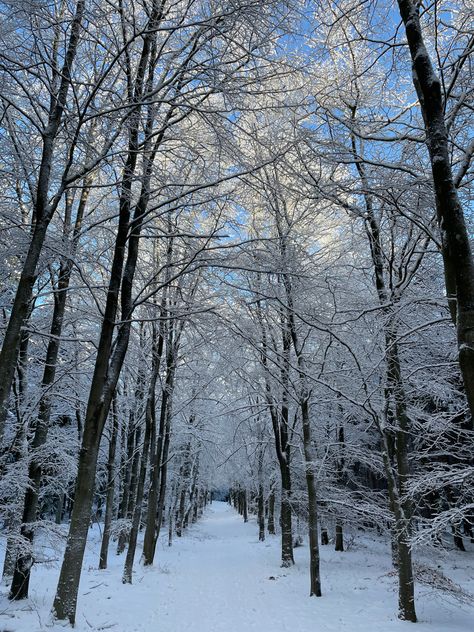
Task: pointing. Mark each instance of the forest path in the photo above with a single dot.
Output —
(218, 580)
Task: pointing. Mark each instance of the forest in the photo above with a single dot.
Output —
(237, 315)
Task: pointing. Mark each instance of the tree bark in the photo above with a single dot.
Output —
(109, 503)
(339, 544)
(456, 248)
(261, 500)
(271, 512)
(315, 578)
(137, 511)
(149, 542)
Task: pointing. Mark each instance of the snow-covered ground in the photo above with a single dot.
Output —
(219, 578)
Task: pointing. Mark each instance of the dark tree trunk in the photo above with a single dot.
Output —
(456, 248)
(109, 503)
(308, 447)
(395, 448)
(18, 453)
(271, 512)
(149, 542)
(184, 474)
(245, 514)
(60, 508)
(315, 578)
(279, 419)
(164, 472)
(457, 537)
(132, 491)
(399, 498)
(339, 546)
(261, 514)
(130, 468)
(138, 502)
(65, 601)
(285, 518)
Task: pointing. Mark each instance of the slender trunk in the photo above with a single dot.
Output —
(133, 454)
(126, 468)
(339, 545)
(279, 419)
(394, 450)
(185, 471)
(18, 453)
(271, 512)
(261, 513)
(308, 448)
(60, 508)
(192, 494)
(149, 541)
(170, 525)
(104, 549)
(287, 558)
(137, 512)
(315, 579)
(245, 506)
(401, 502)
(164, 472)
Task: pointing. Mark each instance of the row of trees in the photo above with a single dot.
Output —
(235, 253)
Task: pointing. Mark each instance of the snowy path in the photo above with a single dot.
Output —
(216, 579)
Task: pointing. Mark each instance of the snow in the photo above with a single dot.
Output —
(217, 579)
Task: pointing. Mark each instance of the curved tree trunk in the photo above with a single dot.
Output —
(456, 247)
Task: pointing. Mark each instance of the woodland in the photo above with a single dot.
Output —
(237, 297)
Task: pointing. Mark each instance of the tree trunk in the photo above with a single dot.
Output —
(104, 549)
(287, 558)
(339, 546)
(164, 472)
(260, 498)
(149, 542)
(456, 248)
(137, 512)
(315, 579)
(395, 449)
(185, 471)
(66, 597)
(271, 512)
(245, 506)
